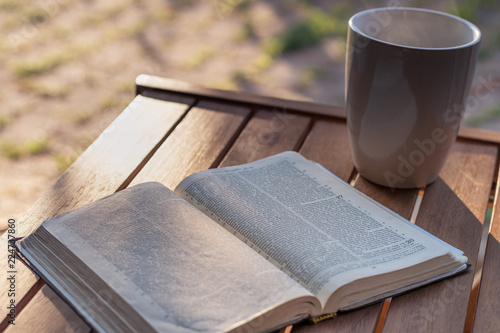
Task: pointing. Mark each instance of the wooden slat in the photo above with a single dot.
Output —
(452, 209)
(47, 312)
(487, 318)
(267, 133)
(99, 171)
(328, 144)
(147, 83)
(199, 141)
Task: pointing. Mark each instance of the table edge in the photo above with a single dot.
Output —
(146, 82)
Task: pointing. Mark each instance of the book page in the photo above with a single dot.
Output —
(310, 224)
(180, 270)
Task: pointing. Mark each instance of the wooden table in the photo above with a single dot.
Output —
(172, 129)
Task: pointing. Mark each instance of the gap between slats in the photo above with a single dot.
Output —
(254, 109)
(478, 272)
(302, 139)
(156, 147)
(23, 302)
(353, 178)
(387, 302)
(233, 139)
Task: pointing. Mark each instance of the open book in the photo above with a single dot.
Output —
(251, 248)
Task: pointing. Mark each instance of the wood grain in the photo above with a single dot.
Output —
(201, 139)
(267, 133)
(98, 172)
(487, 317)
(452, 209)
(47, 312)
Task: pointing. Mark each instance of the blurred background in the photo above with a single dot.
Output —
(68, 67)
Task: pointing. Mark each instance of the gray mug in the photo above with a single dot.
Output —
(408, 75)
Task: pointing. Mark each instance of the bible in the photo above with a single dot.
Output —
(246, 248)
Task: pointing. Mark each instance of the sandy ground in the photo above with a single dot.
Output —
(69, 68)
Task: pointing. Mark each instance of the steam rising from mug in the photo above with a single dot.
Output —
(408, 75)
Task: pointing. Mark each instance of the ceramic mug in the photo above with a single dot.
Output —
(408, 75)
